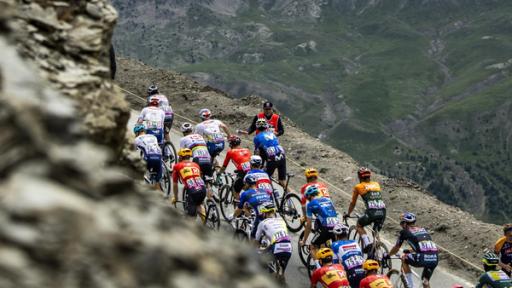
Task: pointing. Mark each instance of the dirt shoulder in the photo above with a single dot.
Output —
(453, 229)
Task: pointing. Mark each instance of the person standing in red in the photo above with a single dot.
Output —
(189, 173)
(329, 275)
(373, 279)
(241, 158)
(273, 119)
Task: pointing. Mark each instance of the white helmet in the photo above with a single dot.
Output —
(340, 229)
(186, 127)
(256, 160)
(205, 114)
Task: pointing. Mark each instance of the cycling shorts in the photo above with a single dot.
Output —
(215, 148)
(238, 185)
(282, 252)
(280, 165)
(427, 261)
(154, 166)
(158, 133)
(206, 168)
(324, 234)
(168, 124)
(355, 276)
(194, 198)
(375, 216)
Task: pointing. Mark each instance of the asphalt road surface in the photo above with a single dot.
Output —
(296, 273)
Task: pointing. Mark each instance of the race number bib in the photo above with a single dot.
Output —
(331, 221)
(280, 236)
(353, 262)
(283, 248)
(376, 204)
(427, 246)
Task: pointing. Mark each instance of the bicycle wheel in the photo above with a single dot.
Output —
(311, 266)
(169, 152)
(303, 250)
(227, 202)
(379, 250)
(165, 182)
(212, 215)
(397, 279)
(291, 211)
(184, 200)
(241, 235)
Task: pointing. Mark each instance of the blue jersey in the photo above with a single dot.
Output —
(324, 211)
(268, 144)
(348, 253)
(256, 198)
(263, 182)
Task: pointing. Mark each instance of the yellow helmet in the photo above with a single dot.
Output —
(324, 253)
(185, 152)
(371, 264)
(311, 172)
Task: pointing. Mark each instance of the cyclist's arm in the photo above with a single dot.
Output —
(141, 116)
(482, 281)
(226, 162)
(353, 202)
(259, 232)
(398, 244)
(175, 182)
(279, 128)
(225, 128)
(314, 278)
(307, 229)
(252, 128)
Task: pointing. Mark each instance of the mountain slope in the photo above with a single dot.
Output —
(415, 88)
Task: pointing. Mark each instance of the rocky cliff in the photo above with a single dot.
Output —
(67, 219)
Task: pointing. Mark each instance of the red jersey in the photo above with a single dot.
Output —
(322, 188)
(241, 159)
(373, 281)
(189, 173)
(272, 122)
(332, 276)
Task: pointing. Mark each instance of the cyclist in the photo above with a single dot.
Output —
(311, 179)
(189, 173)
(503, 248)
(253, 198)
(153, 119)
(274, 120)
(348, 253)
(274, 230)
(266, 144)
(241, 159)
(163, 103)
(263, 182)
(493, 276)
(326, 219)
(330, 275)
(148, 146)
(373, 279)
(424, 249)
(196, 143)
(211, 129)
(375, 207)
(152, 90)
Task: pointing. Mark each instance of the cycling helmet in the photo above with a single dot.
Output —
(250, 180)
(364, 172)
(507, 228)
(138, 128)
(310, 172)
(154, 101)
(234, 141)
(205, 114)
(371, 264)
(311, 191)
(261, 124)
(256, 160)
(268, 208)
(186, 127)
(340, 229)
(407, 217)
(325, 255)
(185, 152)
(490, 259)
(152, 90)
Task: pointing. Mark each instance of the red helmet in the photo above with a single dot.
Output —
(364, 172)
(234, 140)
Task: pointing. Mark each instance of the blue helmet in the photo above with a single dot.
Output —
(250, 180)
(138, 128)
(311, 191)
(407, 217)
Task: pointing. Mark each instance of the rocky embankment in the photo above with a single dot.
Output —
(67, 218)
(452, 228)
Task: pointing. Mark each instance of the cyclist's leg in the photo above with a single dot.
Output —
(429, 262)
(355, 276)
(196, 203)
(281, 172)
(363, 221)
(319, 240)
(271, 167)
(167, 130)
(408, 260)
(154, 165)
(282, 252)
(238, 185)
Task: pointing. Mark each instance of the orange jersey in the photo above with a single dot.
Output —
(376, 281)
(370, 192)
(322, 188)
(189, 173)
(241, 159)
(503, 248)
(332, 276)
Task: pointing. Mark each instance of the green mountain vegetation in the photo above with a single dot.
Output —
(416, 89)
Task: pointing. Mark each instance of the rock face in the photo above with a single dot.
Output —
(70, 42)
(67, 219)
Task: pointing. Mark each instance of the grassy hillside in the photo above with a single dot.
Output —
(416, 88)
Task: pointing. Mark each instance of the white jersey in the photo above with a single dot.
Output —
(163, 103)
(196, 143)
(274, 229)
(210, 130)
(152, 117)
(148, 144)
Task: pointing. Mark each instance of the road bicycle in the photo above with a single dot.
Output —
(165, 182)
(242, 226)
(271, 263)
(212, 217)
(227, 199)
(169, 154)
(397, 277)
(289, 206)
